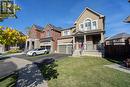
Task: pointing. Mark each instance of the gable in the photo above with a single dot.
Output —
(88, 13)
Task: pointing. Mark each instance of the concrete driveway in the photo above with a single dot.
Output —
(42, 57)
(9, 65)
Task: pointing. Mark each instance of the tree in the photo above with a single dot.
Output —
(15, 7)
(10, 36)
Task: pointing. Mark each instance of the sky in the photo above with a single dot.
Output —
(63, 13)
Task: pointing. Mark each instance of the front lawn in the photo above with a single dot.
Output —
(8, 81)
(88, 72)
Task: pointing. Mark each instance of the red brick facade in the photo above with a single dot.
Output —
(41, 34)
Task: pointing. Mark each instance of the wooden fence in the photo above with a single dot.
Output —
(119, 52)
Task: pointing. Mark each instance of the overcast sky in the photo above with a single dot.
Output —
(63, 13)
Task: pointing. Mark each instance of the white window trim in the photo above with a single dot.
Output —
(63, 32)
(81, 29)
(96, 25)
(85, 29)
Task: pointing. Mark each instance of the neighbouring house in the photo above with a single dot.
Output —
(127, 20)
(118, 39)
(40, 37)
(86, 37)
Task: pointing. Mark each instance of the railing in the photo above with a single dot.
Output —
(89, 47)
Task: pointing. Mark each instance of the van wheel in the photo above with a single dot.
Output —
(34, 54)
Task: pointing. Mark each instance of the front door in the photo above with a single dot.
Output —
(79, 42)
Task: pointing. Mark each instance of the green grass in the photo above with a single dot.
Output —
(88, 72)
(8, 81)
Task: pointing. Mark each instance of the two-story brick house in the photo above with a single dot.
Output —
(86, 37)
(39, 37)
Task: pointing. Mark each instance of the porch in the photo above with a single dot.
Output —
(91, 45)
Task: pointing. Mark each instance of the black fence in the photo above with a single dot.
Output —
(118, 52)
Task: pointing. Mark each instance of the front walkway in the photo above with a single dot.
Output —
(29, 74)
(118, 67)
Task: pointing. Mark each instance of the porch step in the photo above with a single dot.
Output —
(92, 53)
(76, 53)
(88, 53)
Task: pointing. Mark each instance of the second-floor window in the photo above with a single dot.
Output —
(94, 23)
(88, 24)
(48, 33)
(66, 32)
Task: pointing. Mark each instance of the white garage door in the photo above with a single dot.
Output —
(65, 49)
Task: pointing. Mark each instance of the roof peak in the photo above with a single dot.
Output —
(95, 12)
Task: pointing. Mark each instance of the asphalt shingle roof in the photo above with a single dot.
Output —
(38, 27)
(120, 35)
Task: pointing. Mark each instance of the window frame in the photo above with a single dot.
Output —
(96, 24)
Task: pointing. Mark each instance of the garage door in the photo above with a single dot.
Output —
(46, 47)
(62, 49)
(65, 49)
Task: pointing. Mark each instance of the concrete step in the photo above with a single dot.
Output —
(76, 53)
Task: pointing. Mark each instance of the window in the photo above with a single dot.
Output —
(88, 24)
(94, 25)
(66, 32)
(81, 26)
(48, 34)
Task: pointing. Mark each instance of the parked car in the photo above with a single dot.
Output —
(35, 52)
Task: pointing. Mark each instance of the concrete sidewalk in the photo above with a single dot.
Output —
(20, 63)
(118, 67)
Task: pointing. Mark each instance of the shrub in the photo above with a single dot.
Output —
(14, 51)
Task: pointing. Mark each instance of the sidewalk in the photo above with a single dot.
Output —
(15, 54)
(118, 67)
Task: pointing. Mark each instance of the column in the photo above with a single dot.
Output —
(85, 42)
(30, 44)
(102, 42)
(52, 46)
(73, 43)
(102, 37)
(26, 45)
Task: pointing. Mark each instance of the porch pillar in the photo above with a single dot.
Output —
(102, 37)
(51, 46)
(26, 45)
(73, 42)
(30, 44)
(85, 42)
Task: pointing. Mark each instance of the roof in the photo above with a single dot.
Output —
(127, 20)
(54, 27)
(97, 13)
(68, 28)
(64, 37)
(46, 39)
(120, 35)
(38, 27)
